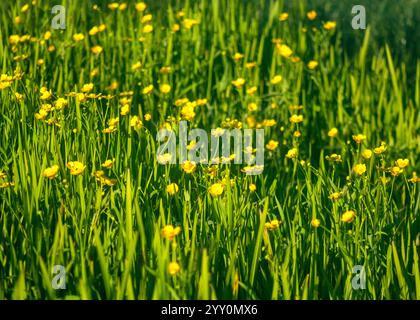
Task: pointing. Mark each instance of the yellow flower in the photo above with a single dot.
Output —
(284, 50)
(414, 178)
(47, 35)
(312, 64)
(402, 163)
(250, 65)
(94, 30)
(51, 172)
(148, 89)
(333, 132)
(311, 15)
(238, 83)
(60, 103)
(96, 49)
(238, 56)
(330, 25)
(358, 138)
(359, 169)
(107, 164)
(78, 37)
(252, 107)
(272, 225)
(336, 195)
(164, 158)
(136, 66)
(251, 90)
(125, 109)
(188, 166)
(292, 153)
(334, 157)
(76, 167)
(147, 117)
(367, 153)
(296, 118)
(379, 150)
(88, 87)
(216, 189)
(136, 122)
(146, 18)
(113, 5)
(173, 268)
(276, 79)
(189, 23)
(396, 171)
(169, 232)
(172, 188)
(176, 27)
(24, 8)
(348, 216)
(45, 93)
(122, 6)
(284, 16)
(315, 222)
(165, 88)
(141, 6)
(187, 112)
(272, 145)
(252, 187)
(147, 28)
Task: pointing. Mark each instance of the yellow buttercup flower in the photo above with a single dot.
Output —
(141, 6)
(238, 56)
(330, 25)
(367, 153)
(107, 164)
(136, 122)
(402, 163)
(148, 89)
(315, 222)
(51, 172)
(283, 16)
(358, 138)
(165, 88)
(312, 64)
(173, 268)
(75, 167)
(396, 171)
(333, 132)
(96, 49)
(238, 83)
(359, 169)
(348, 216)
(296, 118)
(284, 50)
(272, 145)
(216, 189)
(189, 23)
(147, 117)
(414, 178)
(292, 153)
(88, 87)
(252, 187)
(272, 225)
(379, 150)
(252, 107)
(172, 188)
(311, 15)
(113, 5)
(169, 232)
(334, 158)
(125, 109)
(276, 79)
(188, 166)
(336, 196)
(136, 66)
(147, 28)
(78, 37)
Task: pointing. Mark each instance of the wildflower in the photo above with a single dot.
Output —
(169, 232)
(315, 222)
(251, 90)
(96, 50)
(330, 25)
(402, 163)
(252, 107)
(311, 15)
(147, 28)
(176, 27)
(148, 89)
(78, 37)
(165, 88)
(51, 172)
(359, 169)
(136, 66)
(379, 150)
(141, 6)
(216, 189)
(252, 187)
(358, 138)
(24, 8)
(189, 23)
(113, 5)
(75, 167)
(276, 79)
(136, 122)
(60, 103)
(292, 153)
(268, 122)
(312, 64)
(19, 97)
(238, 83)
(238, 56)
(296, 118)
(348, 216)
(272, 225)
(107, 164)
(284, 50)
(336, 196)
(367, 153)
(395, 171)
(334, 158)
(172, 188)
(250, 65)
(187, 112)
(173, 268)
(147, 117)
(88, 87)
(125, 109)
(272, 145)
(333, 132)
(45, 93)
(283, 16)
(414, 178)
(188, 166)
(164, 158)
(122, 6)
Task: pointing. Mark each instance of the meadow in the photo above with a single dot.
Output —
(81, 187)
